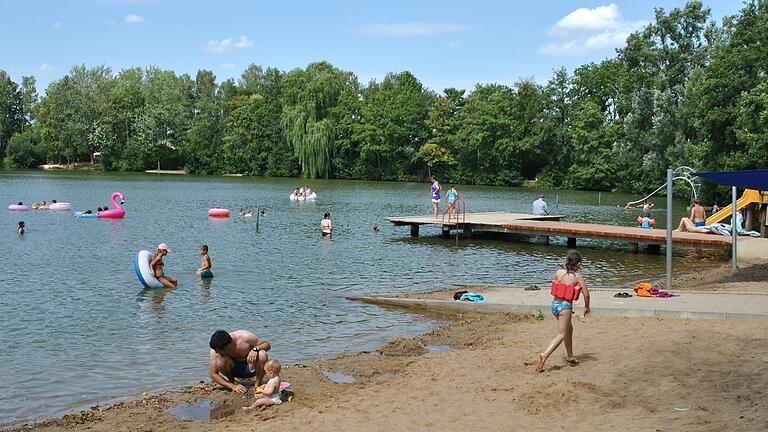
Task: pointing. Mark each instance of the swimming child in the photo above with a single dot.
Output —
(205, 262)
(376, 228)
(262, 212)
(565, 290)
(99, 209)
(435, 191)
(157, 267)
(242, 212)
(249, 213)
(326, 228)
(269, 394)
(22, 228)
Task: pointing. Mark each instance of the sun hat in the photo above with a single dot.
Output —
(163, 246)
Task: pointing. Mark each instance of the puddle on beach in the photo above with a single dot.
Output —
(201, 409)
(438, 348)
(339, 377)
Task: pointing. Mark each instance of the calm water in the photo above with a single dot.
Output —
(76, 328)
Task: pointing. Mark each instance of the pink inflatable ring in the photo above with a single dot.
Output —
(18, 207)
(218, 212)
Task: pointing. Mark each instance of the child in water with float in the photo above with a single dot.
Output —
(567, 285)
(157, 267)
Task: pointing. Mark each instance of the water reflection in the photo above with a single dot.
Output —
(155, 299)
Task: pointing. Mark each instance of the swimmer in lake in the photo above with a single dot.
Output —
(157, 267)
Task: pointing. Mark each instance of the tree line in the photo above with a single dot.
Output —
(685, 90)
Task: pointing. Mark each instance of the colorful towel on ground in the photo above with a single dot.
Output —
(473, 297)
(645, 289)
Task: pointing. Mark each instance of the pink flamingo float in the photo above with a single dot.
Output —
(115, 213)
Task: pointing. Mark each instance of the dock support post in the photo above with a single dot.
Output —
(544, 240)
(734, 226)
(668, 257)
(654, 249)
(633, 247)
(466, 231)
(572, 242)
(447, 231)
(414, 230)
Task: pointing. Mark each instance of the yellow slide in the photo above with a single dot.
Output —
(748, 197)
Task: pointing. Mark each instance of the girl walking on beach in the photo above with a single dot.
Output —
(566, 287)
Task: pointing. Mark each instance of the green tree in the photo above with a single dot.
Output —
(308, 96)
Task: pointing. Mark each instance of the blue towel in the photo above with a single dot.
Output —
(473, 297)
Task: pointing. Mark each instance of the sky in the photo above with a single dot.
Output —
(443, 43)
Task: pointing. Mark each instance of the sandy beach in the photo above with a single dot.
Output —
(635, 374)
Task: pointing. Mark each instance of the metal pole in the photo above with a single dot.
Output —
(599, 198)
(258, 215)
(669, 230)
(733, 229)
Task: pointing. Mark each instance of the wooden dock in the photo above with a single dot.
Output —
(544, 227)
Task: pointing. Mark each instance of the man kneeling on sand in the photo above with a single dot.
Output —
(240, 354)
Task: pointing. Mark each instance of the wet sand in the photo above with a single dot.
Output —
(635, 374)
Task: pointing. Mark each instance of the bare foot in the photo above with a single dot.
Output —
(572, 360)
(540, 365)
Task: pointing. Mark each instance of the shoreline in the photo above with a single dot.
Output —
(654, 390)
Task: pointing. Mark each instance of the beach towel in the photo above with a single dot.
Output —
(473, 297)
(643, 289)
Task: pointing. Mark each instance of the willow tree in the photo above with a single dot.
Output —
(309, 95)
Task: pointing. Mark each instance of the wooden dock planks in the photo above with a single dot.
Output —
(545, 226)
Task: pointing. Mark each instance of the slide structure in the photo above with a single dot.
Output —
(748, 197)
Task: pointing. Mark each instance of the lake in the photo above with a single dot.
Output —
(77, 328)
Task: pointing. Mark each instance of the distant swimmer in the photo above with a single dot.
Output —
(376, 228)
(22, 228)
(205, 262)
(157, 267)
(262, 212)
(326, 227)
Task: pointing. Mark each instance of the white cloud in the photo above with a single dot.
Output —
(229, 44)
(133, 19)
(56, 25)
(452, 45)
(412, 29)
(599, 18)
(227, 66)
(590, 29)
(45, 68)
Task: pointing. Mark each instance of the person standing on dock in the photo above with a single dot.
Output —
(540, 207)
(435, 189)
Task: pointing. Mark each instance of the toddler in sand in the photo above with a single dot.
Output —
(566, 287)
(269, 394)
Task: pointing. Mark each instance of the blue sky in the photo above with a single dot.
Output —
(444, 43)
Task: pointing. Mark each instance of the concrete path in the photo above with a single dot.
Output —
(515, 299)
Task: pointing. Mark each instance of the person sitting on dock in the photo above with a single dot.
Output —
(686, 224)
(240, 354)
(698, 214)
(540, 207)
